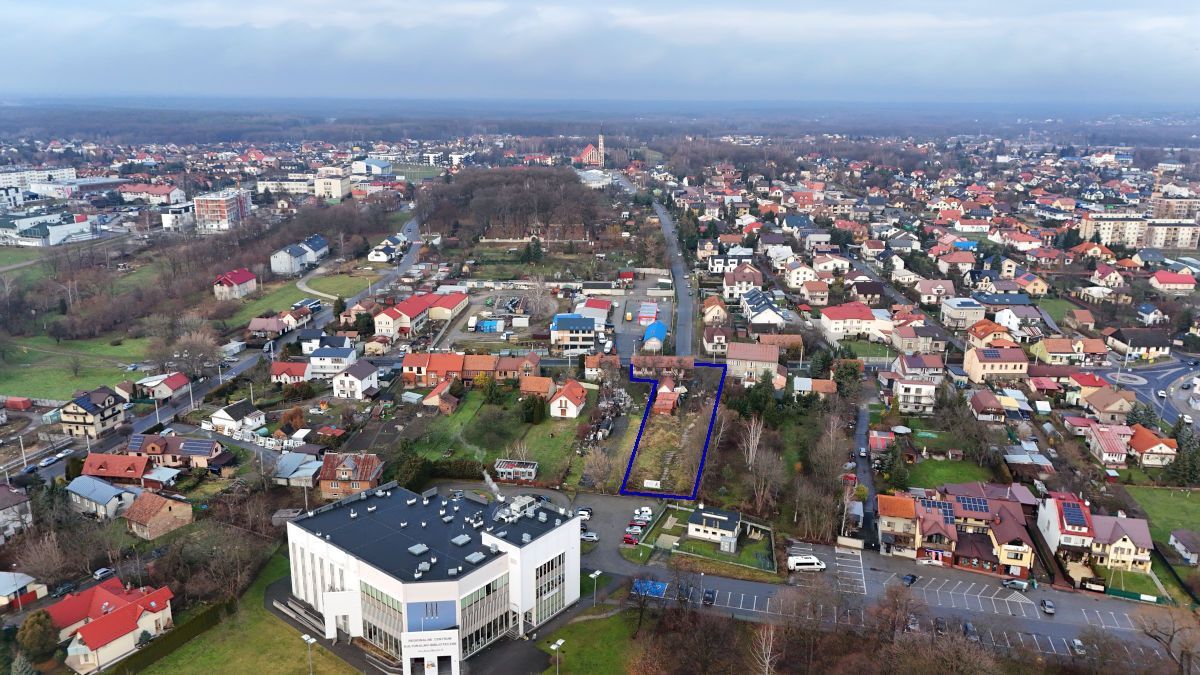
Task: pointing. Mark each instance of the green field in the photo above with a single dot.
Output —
(1057, 308)
(750, 553)
(251, 641)
(11, 255)
(1133, 582)
(1167, 509)
(861, 348)
(42, 374)
(415, 172)
(275, 299)
(596, 646)
(342, 285)
(935, 473)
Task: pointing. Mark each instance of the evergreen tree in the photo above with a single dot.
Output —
(1142, 414)
(339, 305)
(37, 634)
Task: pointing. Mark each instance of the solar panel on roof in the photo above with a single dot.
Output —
(991, 353)
(1073, 514)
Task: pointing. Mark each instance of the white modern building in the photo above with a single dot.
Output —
(22, 177)
(430, 581)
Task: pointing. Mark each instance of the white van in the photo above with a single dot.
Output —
(805, 562)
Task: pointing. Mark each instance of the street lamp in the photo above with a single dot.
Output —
(309, 640)
(557, 656)
(594, 576)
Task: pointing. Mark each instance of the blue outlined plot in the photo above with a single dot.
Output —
(646, 416)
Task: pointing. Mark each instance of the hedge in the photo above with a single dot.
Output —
(175, 638)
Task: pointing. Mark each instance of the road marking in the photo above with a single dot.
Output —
(756, 603)
(768, 604)
(741, 600)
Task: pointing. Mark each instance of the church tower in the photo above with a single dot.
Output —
(600, 144)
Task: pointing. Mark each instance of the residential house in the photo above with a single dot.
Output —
(709, 524)
(116, 468)
(932, 292)
(1150, 315)
(151, 516)
(1108, 443)
(927, 367)
(474, 365)
(235, 284)
(359, 381)
(959, 313)
(93, 413)
(345, 474)
(714, 311)
(956, 263)
(740, 280)
(918, 340)
(1140, 343)
(665, 398)
(716, 339)
(834, 264)
(984, 332)
(594, 364)
(1065, 524)
(15, 512)
(290, 372)
(915, 397)
(988, 364)
(1121, 543)
(441, 398)
(1187, 544)
(104, 623)
(796, 274)
(267, 327)
(1066, 351)
(99, 499)
(986, 407)
(816, 293)
(568, 401)
(849, 321)
(312, 339)
(289, 261)
(327, 362)
(365, 306)
(1151, 448)
(1107, 276)
(534, 385)
(808, 385)
(748, 362)
(868, 292)
(175, 451)
(514, 367)
(237, 416)
(1172, 283)
(572, 334)
(761, 312)
(403, 319)
(1031, 284)
(1024, 322)
(898, 525)
(1080, 319)
(163, 387)
(1110, 405)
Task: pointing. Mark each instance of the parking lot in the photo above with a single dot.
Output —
(984, 596)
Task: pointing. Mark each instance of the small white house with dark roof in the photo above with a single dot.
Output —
(238, 416)
(358, 382)
(715, 525)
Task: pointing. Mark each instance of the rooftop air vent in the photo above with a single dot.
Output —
(418, 549)
(453, 571)
(417, 575)
(502, 534)
(410, 502)
(541, 516)
(492, 548)
(326, 537)
(353, 513)
(525, 538)
(441, 512)
(371, 508)
(461, 540)
(446, 519)
(433, 560)
(403, 524)
(475, 558)
(424, 567)
(557, 522)
(379, 493)
(422, 523)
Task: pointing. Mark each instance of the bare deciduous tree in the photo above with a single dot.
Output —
(765, 649)
(519, 450)
(599, 467)
(43, 558)
(751, 439)
(1175, 629)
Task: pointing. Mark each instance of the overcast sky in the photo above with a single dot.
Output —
(1062, 51)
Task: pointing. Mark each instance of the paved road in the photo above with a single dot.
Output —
(1147, 381)
(684, 307)
(900, 298)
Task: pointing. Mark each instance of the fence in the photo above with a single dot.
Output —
(1134, 596)
(174, 639)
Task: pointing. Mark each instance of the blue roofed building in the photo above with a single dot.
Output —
(655, 337)
(289, 261)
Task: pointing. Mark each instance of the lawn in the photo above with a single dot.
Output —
(443, 432)
(10, 255)
(935, 473)
(342, 285)
(861, 348)
(1133, 582)
(596, 646)
(636, 554)
(1057, 308)
(253, 640)
(41, 374)
(276, 298)
(415, 172)
(750, 553)
(1167, 509)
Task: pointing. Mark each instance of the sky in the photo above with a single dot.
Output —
(1064, 51)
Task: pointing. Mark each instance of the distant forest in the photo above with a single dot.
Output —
(510, 203)
(267, 121)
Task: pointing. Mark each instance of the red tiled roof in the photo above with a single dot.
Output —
(1165, 277)
(235, 277)
(289, 368)
(114, 466)
(124, 620)
(850, 310)
(572, 391)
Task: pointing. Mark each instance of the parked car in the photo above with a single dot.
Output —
(63, 454)
(1016, 584)
(48, 461)
(1187, 419)
(589, 536)
(1161, 394)
(64, 588)
(908, 579)
(30, 469)
(710, 596)
(630, 540)
(969, 631)
(1047, 606)
(1077, 647)
(585, 513)
(862, 452)
(633, 529)
(644, 512)
(102, 573)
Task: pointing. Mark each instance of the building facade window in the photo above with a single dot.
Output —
(550, 597)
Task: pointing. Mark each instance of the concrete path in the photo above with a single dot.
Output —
(302, 284)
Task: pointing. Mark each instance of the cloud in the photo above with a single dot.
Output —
(931, 50)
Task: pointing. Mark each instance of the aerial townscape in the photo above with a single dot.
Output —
(311, 371)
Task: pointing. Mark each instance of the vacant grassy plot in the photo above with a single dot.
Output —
(10, 255)
(251, 641)
(445, 432)
(1057, 308)
(1133, 582)
(862, 348)
(1167, 509)
(274, 298)
(752, 553)
(342, 285)
(39, 368)
(597, 646)
(414, 172)
(933, 473)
